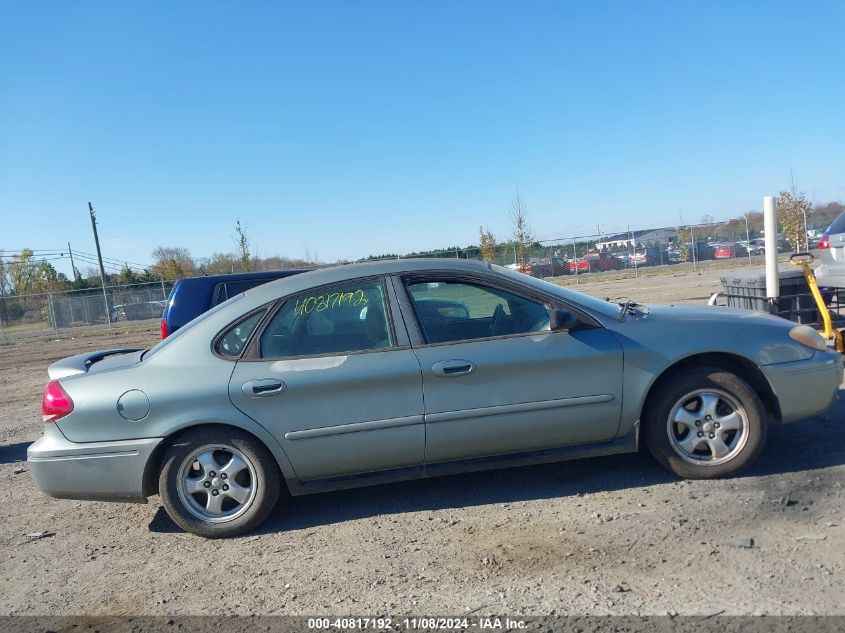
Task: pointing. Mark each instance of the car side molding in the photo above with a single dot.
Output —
(626, 444)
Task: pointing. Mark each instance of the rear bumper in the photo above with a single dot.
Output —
(808, 387)
(831, 274)
(96, 471)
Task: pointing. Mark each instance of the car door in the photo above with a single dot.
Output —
(331, 377)
(496, 380)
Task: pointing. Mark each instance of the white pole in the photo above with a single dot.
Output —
(747, 238)
(770, 227)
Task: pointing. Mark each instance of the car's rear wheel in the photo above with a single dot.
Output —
(218, 482)
(705, 423)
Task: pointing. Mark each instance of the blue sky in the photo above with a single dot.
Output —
(358, 128)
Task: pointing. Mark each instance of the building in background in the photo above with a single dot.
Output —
(642, 238)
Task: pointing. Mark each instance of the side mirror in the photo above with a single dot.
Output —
(560, 320)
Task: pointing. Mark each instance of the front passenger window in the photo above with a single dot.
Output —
(456, 311)
(349, 317)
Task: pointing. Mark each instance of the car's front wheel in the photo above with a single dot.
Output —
(705, 423)
(218, 482)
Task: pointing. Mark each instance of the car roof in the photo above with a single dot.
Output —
(263, 274)
(337, 274)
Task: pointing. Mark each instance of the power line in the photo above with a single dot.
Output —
(93, 262)
(34, 250)
(118, 261)
(39, 253)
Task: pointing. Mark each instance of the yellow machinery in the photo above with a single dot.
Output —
(803, 260)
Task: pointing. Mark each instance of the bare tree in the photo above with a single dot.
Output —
(243, 247)
(522, 234)
(173, 262)
(487, 244)
(5, 287)
(221, 263)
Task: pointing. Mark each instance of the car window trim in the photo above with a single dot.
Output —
(400, 327)
(525, 292)
(267, 308)
(252, 353)
(405, 307)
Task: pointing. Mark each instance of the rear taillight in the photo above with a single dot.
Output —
(164, 329)
(56, 402)
(824, 241)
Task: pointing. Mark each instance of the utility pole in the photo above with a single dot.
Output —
(72, 266)
(100, 260)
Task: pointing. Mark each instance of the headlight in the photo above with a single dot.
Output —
(806, 335)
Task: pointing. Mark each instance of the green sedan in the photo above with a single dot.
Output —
(386, 371)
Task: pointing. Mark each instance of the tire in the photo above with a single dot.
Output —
(704, 423)
(218, 482)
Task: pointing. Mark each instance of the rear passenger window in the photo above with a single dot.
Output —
(350, 317)
(233, 342)
(228, 289)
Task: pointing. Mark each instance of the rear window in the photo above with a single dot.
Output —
(838, 225)
(228, 289)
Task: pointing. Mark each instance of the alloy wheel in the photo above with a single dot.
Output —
(217, 483)
(707, 427)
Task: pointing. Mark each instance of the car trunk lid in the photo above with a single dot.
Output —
(94, 361)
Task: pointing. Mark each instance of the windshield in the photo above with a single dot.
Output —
(605, 308)
(838, 225)
(164, 342)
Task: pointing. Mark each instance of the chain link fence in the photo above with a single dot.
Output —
(55, 313)
(628, 253)
(576, 259)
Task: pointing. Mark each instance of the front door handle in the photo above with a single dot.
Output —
(263, 388)
(449, 368)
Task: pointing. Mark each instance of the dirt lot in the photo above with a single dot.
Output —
(613, 535)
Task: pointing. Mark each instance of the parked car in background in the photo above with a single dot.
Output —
(548, 267)
(754, 247)
(703, 251)
(137, 311)
(595, 262)
(831, 272)
(192, 296)
(625, 258)
(650, 256)
(757, 246)
(729, 251)
(394, 370)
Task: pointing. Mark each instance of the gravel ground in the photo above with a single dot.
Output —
(612, 535)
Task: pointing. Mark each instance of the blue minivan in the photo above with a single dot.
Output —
(192, 296)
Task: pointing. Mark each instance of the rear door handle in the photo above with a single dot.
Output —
(449, 368)
(263, 388)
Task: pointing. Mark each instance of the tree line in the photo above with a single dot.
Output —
(24, 272)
